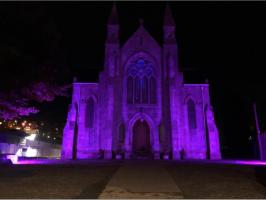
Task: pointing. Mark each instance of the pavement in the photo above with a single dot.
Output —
(141, 180)
(138, 179)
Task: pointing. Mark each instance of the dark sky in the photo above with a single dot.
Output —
(223, 42)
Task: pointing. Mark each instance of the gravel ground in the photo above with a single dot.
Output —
(88, 180)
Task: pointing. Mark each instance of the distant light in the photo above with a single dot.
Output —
(13, 158)
(48, 136)
(18, 128)
(31, 152)
(56, 129)
(27, 128)
(16, 121)
(31, 137)
(1, 123)
(54, 138)
(29, 124)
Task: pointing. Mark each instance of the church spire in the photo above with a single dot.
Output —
(169, 26)
(168, 17)
(113, 27)
(113, 18)
(170, 46)
(112, 46)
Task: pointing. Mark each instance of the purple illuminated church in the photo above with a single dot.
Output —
(141, 105)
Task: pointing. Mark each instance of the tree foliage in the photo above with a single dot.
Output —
(32, 59)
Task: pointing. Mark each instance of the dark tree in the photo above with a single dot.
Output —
(32, 59)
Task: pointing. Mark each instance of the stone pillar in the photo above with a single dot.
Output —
(214, 141)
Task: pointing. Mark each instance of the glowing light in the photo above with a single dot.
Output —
(13, 158)
(1, 123)
(18, 128)
(19, 152)
(48, 136)
(27, 128)
(31, 152)
(31, 137)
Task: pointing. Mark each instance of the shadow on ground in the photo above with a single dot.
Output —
(218, 181)
(260, 173)
(92, 191)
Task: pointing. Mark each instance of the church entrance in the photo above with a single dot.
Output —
(141, 140)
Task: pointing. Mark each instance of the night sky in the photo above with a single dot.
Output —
(223, 42)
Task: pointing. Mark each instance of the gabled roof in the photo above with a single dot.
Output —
(141, 38)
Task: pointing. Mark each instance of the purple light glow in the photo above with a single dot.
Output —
(63, 162)
(119, 99)
(251, 162)
(39, 162)
(13, 158)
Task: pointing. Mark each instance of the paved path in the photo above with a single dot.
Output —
(141, 180)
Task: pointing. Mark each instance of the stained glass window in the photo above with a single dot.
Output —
(144, 90)
(129, 89)
(152, 90)
(137, 90)
(141, 84)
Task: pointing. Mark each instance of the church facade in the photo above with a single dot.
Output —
(141, 105)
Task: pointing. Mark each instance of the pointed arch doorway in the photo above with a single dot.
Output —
(141, 139)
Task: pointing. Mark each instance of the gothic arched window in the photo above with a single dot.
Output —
(137, 90)
(152, 90)
(192, 120)
(89, 117)
(129, 89)
(144, 90)
(141, 84)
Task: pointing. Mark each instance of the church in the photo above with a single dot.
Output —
(141, 107)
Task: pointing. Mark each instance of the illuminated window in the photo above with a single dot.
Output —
(141, 84)
(192, 121)
(89, 117)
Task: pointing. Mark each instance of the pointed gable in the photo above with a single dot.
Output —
(141, 40)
